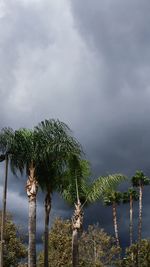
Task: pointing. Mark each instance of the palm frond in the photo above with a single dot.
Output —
(103, 184)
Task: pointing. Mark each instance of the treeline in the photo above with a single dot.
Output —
(52, 159)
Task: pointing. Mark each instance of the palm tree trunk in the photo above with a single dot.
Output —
(140, 214)
(131, 220)
(32, 188)
(46, 233)
(115, 223)
(77, 222)
(4, 214)
(75, 250)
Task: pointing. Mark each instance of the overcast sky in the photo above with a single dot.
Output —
(86, 63)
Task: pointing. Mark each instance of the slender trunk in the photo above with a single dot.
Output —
(95, 252)
(32, 188)
(77, 222)
(75, 250)
(131, 220)
(4, 214)
(46, 233)
(140, 214)
(115, 224)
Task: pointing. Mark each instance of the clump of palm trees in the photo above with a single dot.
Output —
(42, 154)
(114, 198)
(52, 159)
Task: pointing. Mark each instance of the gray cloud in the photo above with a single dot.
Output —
(86, 63)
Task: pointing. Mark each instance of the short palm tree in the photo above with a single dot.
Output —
(140, 180)
(75, 192)
(82, 191)
(60, 146)
(113, 198)
(6, 142)
(128, 197)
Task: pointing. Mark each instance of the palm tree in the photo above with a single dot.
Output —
(128, 197)
(75, 192)
(82, 191)
(113, 198)
(60, 146)
(140, 180)
(6, 141)
(25, 158)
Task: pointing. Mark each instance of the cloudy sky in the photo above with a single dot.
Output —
(86, 63)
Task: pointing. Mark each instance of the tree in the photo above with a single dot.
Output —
(6, 142)
(25, 157)
(97, 248)
(133, 255)
(113, 198)
(61, 147)
(128, 197)
(59, 245)
(75, 192)
(83, 191)
(14, 250)
(140, 180)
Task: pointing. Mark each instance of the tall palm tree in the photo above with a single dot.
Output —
(140, 180)
(6, 141)
(128, 197)
(25, 158)
(113, 198)
(60, 147)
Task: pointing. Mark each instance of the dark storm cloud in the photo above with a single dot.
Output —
(119, 34)
(86, 63)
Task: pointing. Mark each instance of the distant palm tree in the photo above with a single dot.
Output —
(113, 198)
(140, 180)
(6, 142)
(60, 146)
(128, 197)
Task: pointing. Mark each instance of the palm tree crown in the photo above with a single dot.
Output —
(131, 192)
(111, 197)
(6, 142)
(139, 179)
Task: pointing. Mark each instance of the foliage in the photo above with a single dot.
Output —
(96, 248)
(133, 258)
(14, 250)
(6, 140)
(139, 179)
(58, 146)
(59, 245)
(130, 193)
(111, 197)
(104, 184)
(77, 183)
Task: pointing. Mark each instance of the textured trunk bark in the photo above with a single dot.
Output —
(131, 219)
(75, 251)
(32, 188)
(4, 214)
(115, 224)
(46, 233)
(77, 222)
(32, 233)
(140, 213)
